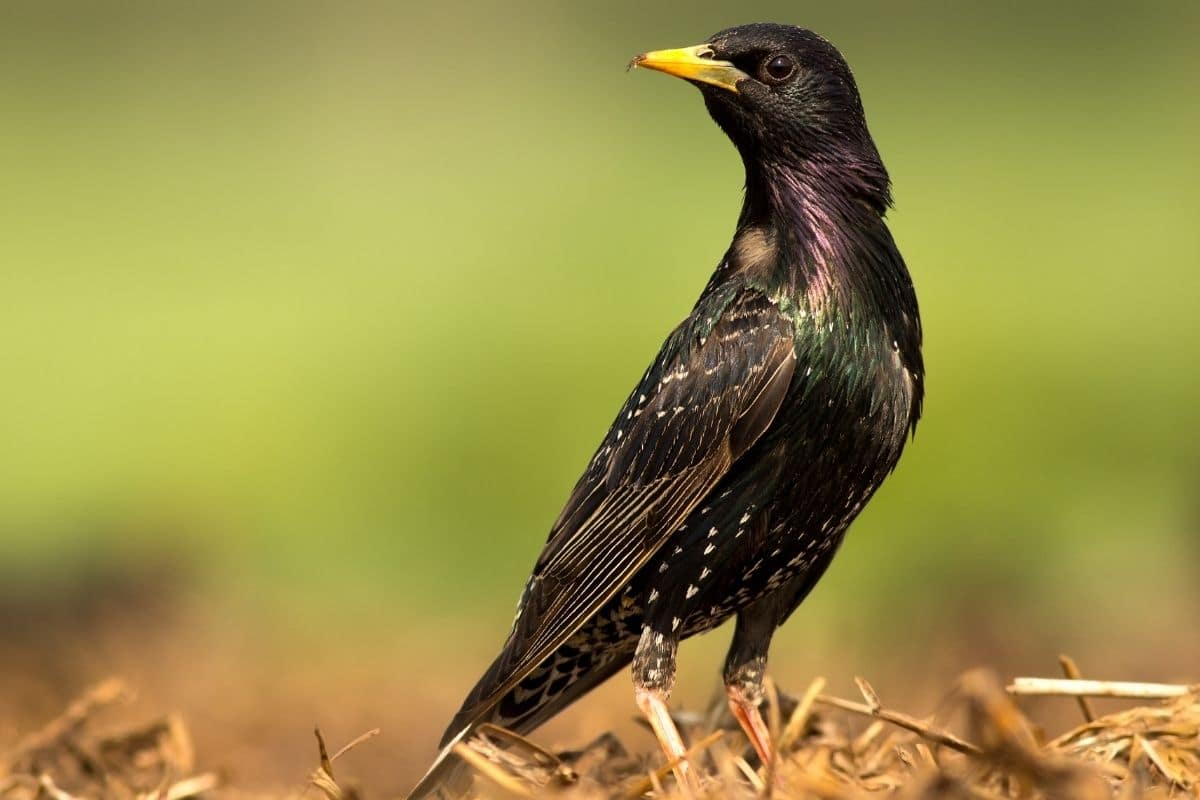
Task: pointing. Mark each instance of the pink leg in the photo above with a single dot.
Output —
(748, 716)
(655, 708)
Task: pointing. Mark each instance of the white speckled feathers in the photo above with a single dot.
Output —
(711, 393)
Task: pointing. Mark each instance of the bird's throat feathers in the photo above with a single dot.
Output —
(816, 235)
(819, 247)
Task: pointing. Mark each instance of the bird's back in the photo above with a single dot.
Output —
(768, 419)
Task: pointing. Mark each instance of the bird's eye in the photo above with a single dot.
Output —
(778, 69)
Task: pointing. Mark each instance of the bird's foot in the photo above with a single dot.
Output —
(745, 711)
(655, 708)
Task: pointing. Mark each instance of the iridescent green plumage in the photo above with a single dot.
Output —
(768, 419)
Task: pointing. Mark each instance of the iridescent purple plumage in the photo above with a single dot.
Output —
(769, 418)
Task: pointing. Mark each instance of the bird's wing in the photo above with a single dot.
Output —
(711, 393)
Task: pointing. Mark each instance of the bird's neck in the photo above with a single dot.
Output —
(814, 230)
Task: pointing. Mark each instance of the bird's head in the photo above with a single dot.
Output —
(781, 93)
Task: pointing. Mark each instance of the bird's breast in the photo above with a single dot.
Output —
(843, 426)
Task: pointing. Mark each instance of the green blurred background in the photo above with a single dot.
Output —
(312, 314)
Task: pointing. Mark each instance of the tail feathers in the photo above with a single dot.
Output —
(449, 777)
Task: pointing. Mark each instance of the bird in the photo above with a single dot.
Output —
(767, 420)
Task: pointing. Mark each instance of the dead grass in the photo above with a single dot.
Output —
(67, 759)
(978, 745)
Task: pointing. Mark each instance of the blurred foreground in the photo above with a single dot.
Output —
(251, 697)
(825, 749)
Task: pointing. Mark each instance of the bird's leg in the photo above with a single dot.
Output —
(653, 678)
(744, 669)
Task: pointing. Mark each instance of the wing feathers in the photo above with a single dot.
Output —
(712, 392)
(755, 419)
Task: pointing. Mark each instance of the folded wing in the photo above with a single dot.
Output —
(713, 390)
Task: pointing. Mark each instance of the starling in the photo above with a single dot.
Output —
(770, 416)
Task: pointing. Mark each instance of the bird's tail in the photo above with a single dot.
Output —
(449, 776)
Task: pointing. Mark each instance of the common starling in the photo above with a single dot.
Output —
(768, 419)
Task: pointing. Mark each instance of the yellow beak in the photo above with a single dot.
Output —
(694, 64)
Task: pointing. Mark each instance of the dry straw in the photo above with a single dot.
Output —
(981, 746)
(834, 748)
